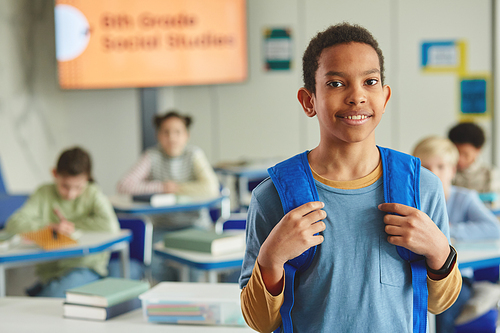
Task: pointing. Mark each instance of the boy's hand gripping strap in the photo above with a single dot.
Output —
(401, 174)
(288, 176)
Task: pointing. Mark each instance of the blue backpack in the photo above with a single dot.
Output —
(294, 182)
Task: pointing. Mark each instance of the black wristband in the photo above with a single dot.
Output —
(448, 264)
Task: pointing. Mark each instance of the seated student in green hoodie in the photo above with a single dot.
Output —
(72, 202)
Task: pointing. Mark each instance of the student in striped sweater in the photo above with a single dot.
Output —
(172, 166)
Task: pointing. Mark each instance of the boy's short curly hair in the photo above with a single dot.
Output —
(467, 133)
(342, 33)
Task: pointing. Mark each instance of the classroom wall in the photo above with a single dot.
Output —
(257, 119)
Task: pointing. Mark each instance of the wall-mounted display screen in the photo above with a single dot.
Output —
(146, 43)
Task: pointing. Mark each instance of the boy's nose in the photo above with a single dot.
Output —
(356, 96)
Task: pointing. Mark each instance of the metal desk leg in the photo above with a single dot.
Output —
(243, 189)
(184, 273)
(431, 320)
(212, 276)
(3, 281)
(125, 261)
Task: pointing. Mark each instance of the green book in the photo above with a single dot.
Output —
(205, 241)
(106, 292)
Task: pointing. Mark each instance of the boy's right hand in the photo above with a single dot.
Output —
(293, 235)
(64, 226)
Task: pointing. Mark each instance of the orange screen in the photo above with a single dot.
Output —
(145, 43)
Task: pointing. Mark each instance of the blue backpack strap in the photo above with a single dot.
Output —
(401, 174)
(287, 176)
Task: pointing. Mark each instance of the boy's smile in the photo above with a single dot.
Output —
(349, 99)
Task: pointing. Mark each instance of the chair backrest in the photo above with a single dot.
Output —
(8, 205)
(142, 238)
(235, 221)
(3, 190)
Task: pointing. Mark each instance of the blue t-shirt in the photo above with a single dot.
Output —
(357, 281)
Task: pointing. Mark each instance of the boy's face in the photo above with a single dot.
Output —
(441, 168)
(173, 136)
(467, 155)
(70, 187)
(349, 99)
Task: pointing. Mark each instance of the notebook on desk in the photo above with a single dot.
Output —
(49, 239)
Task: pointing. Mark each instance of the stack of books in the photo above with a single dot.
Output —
(104, 299)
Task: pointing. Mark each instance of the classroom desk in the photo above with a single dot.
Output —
(89, 243)
(243, 174)
(208, 263)
(481, 254)
(44, 315)
(123, 204)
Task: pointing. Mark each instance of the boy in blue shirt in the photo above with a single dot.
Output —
(356, 282)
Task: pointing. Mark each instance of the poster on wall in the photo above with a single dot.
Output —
(474, 97)
(444, 56)
(277, 49)
(146, 43)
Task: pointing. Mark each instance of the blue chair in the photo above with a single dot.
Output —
(3, 190)
(235, 221)
(8, 203)
(140, 248)
(486, 323)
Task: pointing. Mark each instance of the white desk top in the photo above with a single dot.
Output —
(44, 315)
(480, 254)
(88, 243)
(124, 204)
(201, 260)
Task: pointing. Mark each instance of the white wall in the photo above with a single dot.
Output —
(259, 118)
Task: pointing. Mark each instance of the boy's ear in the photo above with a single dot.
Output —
(387, 94)
(306, 99)
(54, 172)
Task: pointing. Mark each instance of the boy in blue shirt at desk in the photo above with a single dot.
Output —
(357, 282)
(470, 219)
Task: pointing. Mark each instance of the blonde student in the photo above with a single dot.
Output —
(357, 280)
(470, 219)
(72, 202)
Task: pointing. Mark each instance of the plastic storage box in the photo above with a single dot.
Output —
(193, 303)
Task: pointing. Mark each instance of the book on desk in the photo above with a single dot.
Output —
(207, 241)
(156, 199)
(106, 292)
(79, 311)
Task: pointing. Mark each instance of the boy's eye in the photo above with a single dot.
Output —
(335, 84)
(371, 82)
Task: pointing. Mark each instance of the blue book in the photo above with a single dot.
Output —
(79, 311)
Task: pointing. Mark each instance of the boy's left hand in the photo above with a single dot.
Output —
(414, 230)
